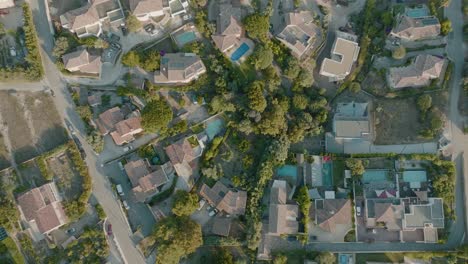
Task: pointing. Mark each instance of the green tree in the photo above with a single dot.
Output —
(90, 247)
(262, 57)
(257, 26)
(133, 24)
(214, 172)
(2, 29)
(300, 101)
(305, 78)
(176, 237)
(223, 256)
(61, 47)
(272, 78)
(424, 102)
(257, 101)
(399, 53)
(220, 104)
(185, 203)
(84, 111)
(151, 62)
(293, 68)
(131, 59)
(325, 258)
(387, 18)
(101, 44)
(8, 213)
(273, 122)
(156, 116)
(355, 87)
(356, 166)
(198, 3)
(280, 259)
(445, 27)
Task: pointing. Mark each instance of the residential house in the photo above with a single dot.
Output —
(81, 61)
(42, 210)
(144, 10)
(424, 69)
(121, 130)
(351, 121)
(344, 53)
(146, 179)
(179, 68)
(229, 36)
(298, 32)
(384, 213)
(89, 19)
(282, 215)
(416, 24)
(332, 212)
(221, 226)
(428, 217)
(184, 156)
(227, 200)
(6, 4)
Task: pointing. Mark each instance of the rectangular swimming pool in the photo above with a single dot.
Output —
(185, 38)
(417, 12)
(239, 52)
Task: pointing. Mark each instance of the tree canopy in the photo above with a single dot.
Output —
(257, 26)
(185, 203)
(262, 57)
(133, 24)
(91, 247)
(175, 238)
(356, 166)
(257, 101)
(156, 116)
(131, 59)
(399, 53)
(424, 102)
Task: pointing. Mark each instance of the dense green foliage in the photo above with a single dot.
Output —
(133, 24)
(90, 247)
(8, 213)
(356, 166)
(262, 57)
(257, 26)
(399, 53)
(9, 249)
(175, 238)
(257, 101)
(156, 116)
(303, 201)
(185, 203)
(325, 258)
(148, 61)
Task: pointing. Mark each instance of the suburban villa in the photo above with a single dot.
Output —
(416, 24)
(42, 211)
(330, 213)
(298, 32)
(179, 68)
(6, 4)
(283, 215)
(424, 69)
(344, 53)
(89, 19)
(184, 155)
(81, 61)
(229, 36)
(144, 10)
(224, 199)
(351, 121)
(121, 130)
(146, 179)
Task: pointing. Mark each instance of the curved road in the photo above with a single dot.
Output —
(101, 186)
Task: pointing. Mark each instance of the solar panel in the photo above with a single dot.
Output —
(3, 233)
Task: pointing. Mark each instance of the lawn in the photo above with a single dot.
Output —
(338, 172)
(9, 252)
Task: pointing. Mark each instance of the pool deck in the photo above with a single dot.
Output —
(247, 41)
(190, 27)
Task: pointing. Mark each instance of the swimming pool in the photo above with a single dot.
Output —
(186, 37)
(213, 128)
(239, 52)
(417, 12)
(374, 176)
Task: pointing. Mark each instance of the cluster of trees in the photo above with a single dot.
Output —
(8, 213)
(175, 238)
(77, 207)
(257, 26)
(90, 247)
(156, 115)
(442, 174)
(66, 42)
(356, 166)
(147, 60)
(133, 24)
(203, 25)
(303, 201)
(185, 203)
(431, 115)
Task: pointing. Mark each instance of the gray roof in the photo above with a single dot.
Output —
(349, 128)
(423, 214)
(179, 67)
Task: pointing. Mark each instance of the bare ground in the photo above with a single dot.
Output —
(30, 174)
(67, 178)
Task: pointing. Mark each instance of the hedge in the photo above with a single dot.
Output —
(35, 71)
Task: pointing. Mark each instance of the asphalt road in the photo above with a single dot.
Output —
(101, 186)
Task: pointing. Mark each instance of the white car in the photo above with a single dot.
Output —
(120, 190)
(121, 165)
(127, 148)
(125, 205)
(358, 211)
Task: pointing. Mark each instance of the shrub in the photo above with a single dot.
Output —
(399, 53)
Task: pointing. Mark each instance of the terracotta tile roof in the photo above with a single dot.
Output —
(417, 28)
(333, 212)
(146, 179)
(180, 151)
(109, 119)
(136, 170)
(87, 15)
(228, 26)
(282, 216)
(142, 7)
(125, 130)
(82, 61)
(424, 68)
(42, 206)
(230, 201)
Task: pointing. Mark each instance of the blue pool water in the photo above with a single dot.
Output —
(186, 37)
(343, 259)
(213, 128)
(240, 52)
(374, 176)
(417, 12)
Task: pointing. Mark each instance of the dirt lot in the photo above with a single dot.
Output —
(397, 120)
(29, 124)
(30, 174)
(68, 179)
(375, 83)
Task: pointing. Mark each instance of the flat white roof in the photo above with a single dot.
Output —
(347, 50)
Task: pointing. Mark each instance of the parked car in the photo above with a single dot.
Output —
(201, 203)
(71, 231)
(127, 148)
(149, 27)
(120, 190)
(125, 205)
(109, 230)
(13, 51)
(358, 211)
(121, 165)
(124, 30)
